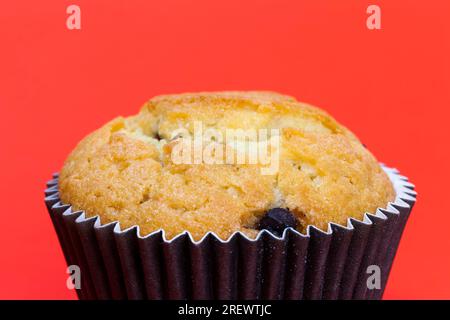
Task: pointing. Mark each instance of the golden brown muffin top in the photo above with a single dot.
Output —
(126, 171)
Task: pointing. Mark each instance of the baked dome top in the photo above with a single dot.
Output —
(126, 171)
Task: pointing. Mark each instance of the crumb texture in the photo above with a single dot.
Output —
(123, 171)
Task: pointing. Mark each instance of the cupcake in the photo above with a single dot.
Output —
(228, 195)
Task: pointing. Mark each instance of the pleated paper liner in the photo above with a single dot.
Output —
(121, 264)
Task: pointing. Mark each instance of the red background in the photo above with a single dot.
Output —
(390, 86)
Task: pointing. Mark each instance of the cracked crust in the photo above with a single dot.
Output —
(122, 171)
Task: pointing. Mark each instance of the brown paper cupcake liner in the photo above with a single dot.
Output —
(122, 264)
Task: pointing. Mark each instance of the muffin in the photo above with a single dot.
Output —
(227, 195)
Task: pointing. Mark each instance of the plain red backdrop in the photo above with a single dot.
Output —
(390, 86)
